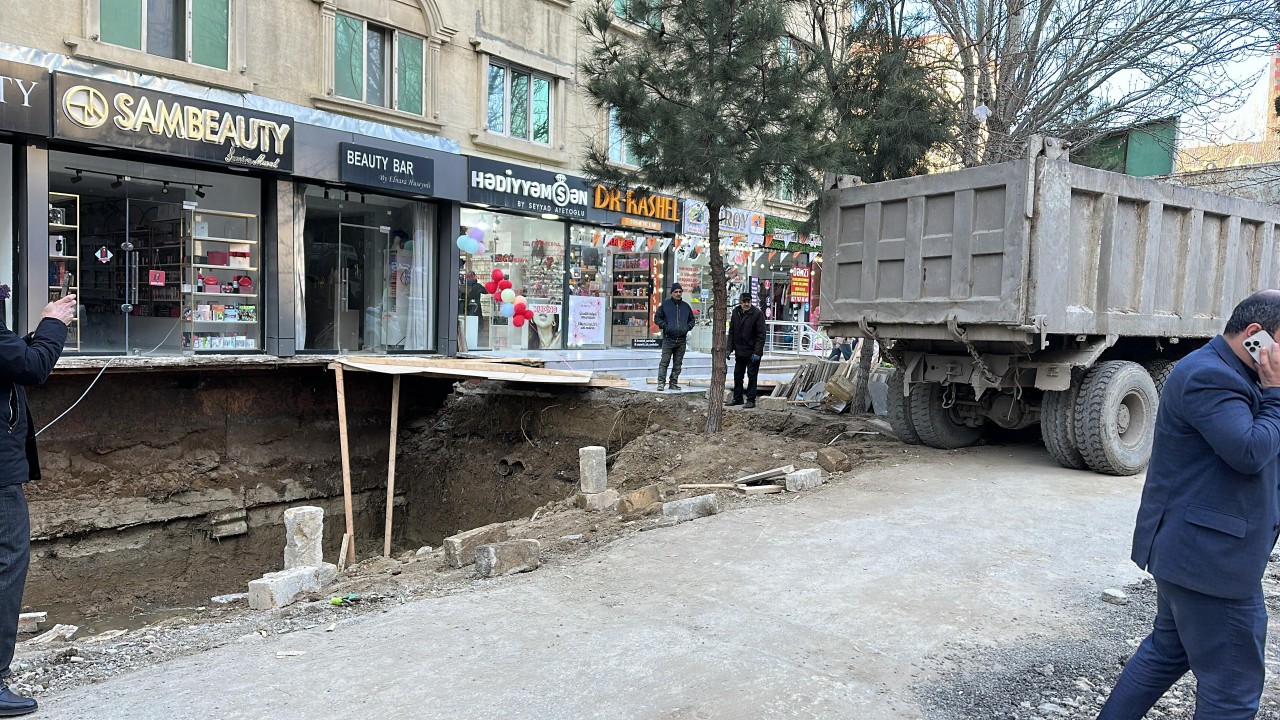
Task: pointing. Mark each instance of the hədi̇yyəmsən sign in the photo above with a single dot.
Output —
(106, 113)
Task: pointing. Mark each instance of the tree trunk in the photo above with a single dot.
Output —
(719, 321)
(859, 404)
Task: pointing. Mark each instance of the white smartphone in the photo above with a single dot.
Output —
(1255, 342)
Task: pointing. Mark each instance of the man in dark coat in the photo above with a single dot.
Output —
(675, 318)
(746, 341)
(1208, 520)
(23, 361)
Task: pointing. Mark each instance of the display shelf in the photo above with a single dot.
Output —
(64, 255)
(229, 241)
(224, 295)
(203, 333)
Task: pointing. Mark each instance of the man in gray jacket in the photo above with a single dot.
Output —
(675, 317)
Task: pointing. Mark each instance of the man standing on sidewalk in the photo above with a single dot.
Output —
(1208, 520)
(23, 361)
(675, 318)
(746, 341)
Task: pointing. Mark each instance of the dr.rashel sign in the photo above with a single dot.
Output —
(101, 112)
(24, 98)
(373, 167)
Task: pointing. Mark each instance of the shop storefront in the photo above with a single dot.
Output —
(25, 110)
(585, 264)
(741, 231)
(787, 272)
(368, 218)
(155, 218)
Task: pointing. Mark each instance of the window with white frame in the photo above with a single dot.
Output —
(519, 103)
(619, 148)
(378, 65)
(785, 189)
(195, 31)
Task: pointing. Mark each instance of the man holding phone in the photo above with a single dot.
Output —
(1209, 517)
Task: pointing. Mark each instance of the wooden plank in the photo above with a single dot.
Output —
(761, 489)
(342, 552)
(707, 486)
(349, 544)
(767, 474)
(391, 464)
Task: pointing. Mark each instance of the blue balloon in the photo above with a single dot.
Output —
(508, 310)
(462, 242)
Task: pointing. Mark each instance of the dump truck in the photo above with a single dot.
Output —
(1038, 291)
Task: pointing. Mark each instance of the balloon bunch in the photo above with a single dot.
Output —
(513, 304)
(472, 242)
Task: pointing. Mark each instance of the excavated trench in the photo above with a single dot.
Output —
(169, 488)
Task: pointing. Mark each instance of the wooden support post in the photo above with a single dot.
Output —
(391, 462)
(346, 464)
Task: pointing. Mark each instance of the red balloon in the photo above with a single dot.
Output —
(504, 284)
(497, 275)
(528, 314)
(497, 297)
(491, 287)
(520, 308)
(518, 321)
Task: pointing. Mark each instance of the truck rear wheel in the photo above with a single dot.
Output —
(1159, 371)
(1115, 417)
(899, 412)
(1057, 427)
(937, 425)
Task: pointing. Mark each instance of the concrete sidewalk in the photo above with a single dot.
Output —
(829, 604)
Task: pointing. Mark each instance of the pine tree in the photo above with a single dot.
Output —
(713, 105)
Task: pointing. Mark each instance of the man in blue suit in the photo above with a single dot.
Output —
(1209, 518)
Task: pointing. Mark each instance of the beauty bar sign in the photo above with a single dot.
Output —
(362, 165)
(91, 110)
(24, 98)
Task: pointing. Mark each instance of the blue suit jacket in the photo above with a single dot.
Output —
(1211, 505)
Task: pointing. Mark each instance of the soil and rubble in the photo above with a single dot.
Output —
(530, 453)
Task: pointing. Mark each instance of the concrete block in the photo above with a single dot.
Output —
(692, 508)
(597, 502)
(1115, 597)
(771, 402)
(640, 499)
(325, 574)
(833, 460)
(507, 558)
(460, 550)
(593, 474)
(806, 479)
(303, 537)
(279, 589)
(57, 632)
(30, 622)
(240, 527)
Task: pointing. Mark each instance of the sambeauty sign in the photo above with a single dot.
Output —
(107, 113)
(635, 209)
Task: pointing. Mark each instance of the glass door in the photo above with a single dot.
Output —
(364, 290)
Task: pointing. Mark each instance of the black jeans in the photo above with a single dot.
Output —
(742, 365)
(15, 553)
(672, 349)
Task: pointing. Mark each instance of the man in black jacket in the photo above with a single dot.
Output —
(23, 361)
(675, 317)
(746, 340)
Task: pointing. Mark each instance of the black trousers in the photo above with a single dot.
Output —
(672, 354)
(742, 365)
(15, 553)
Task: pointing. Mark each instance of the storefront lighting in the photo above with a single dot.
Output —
(200, 191)
(79, 176)
(165, 189)
(550, 216)
(118, 183)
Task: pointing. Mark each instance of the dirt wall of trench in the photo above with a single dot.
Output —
(167, 486)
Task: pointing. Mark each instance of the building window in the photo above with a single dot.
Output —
(377, 65)
(195, 31)
(619, 148)
(785, 190)
(519, 104)
(627, 10)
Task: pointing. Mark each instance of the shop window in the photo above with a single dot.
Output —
(377, 65)
(195, 31)
(619, 148)
(519, 103)
(528, 252)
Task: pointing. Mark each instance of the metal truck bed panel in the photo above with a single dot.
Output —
(1080, 250)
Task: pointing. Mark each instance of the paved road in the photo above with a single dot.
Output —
(829, 605)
